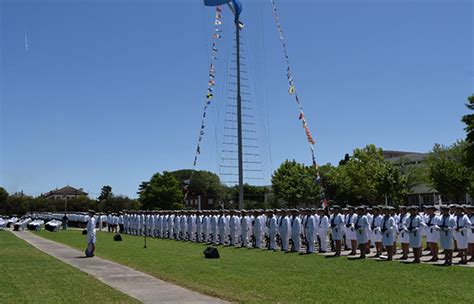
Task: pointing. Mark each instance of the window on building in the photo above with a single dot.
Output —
(428, 199)
(413, 200)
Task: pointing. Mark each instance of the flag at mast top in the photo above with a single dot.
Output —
(237, 5)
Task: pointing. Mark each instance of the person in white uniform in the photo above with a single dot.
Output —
(462, 225)
(351, 236)
(361, 226)
(295, 231)
(470, 213)
(432, 234)
(414, 225)
(258, 228)
(310, 231)
(388, 229)
(337, 223)
(403, 236)
(244, 229)
(214, 228)
(234, 225)
(272, 229)
(284, 228)
(91, 234)
(446, 224)
(323, 228)
(376, 230)
(223, 227)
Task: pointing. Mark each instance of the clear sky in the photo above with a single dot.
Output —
(109, 92)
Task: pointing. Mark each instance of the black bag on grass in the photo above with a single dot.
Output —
(117, 237)
(84, 232)
(211, 253)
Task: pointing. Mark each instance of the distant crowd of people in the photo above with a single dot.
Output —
(358, 229)
(361, 229)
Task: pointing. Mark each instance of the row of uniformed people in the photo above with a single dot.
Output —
(256, 228)
(455, 225)
(290, 229)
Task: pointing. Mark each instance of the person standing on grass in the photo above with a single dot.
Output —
(245, 224)
(361, 226)
(446, 224)
(295, 230)
(65, 220)
(414, 225)
(323, 228)
(351, 237)
(462, 224)
(432, 234)
(376, 231)
(388, 231)
(470, 231)
(91, 237)
(273, 229)
(403, 237)
(337, 223)
(310, 231)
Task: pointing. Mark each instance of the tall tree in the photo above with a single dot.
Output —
(143, 187)
(164, 192)
(448, 172)
(203, 183)
(468, 119)
(391, 183)
(295, 184)
(3, 195)
(358, 177)
(105, 193)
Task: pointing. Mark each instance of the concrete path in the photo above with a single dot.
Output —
(138, 285)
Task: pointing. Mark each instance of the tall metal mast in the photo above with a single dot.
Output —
(239, 117)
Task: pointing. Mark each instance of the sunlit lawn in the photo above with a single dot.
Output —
(29, 276)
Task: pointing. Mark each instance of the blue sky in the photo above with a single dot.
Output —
(110, 92)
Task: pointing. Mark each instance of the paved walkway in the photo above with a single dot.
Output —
(136, 284)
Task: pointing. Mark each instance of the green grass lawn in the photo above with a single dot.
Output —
(256, 276)
(29, 276)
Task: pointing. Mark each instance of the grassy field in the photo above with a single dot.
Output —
(29, 276)
(256, 276)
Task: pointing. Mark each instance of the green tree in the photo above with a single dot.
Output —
(295, 184)
(357, 180)
(105, 193)
(468, 119)
(143, 187)
(116, 204)
(254, 196)
(3, 195)
(164, 192)
(203, 183)
(391, 183)
(448, 172)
